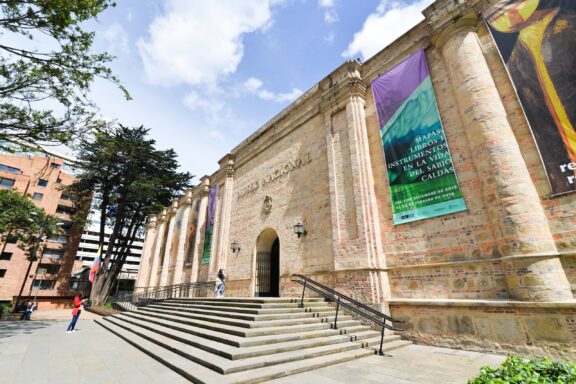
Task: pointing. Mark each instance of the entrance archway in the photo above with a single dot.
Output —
(267, 264)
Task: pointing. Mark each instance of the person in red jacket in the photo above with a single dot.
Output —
(79, 301)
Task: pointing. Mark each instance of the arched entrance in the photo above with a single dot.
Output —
(267, 264)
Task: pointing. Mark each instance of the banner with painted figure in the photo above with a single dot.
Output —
(537, 42)
(421, 176)
(210, 218)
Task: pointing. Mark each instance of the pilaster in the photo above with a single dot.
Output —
(530, 259)
(157, 250)
(166, 264)
(204, 190)
(186, 205)
(227, 166)
(147, 254)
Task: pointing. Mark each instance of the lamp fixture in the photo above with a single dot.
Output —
(235, 246)
(300, 230)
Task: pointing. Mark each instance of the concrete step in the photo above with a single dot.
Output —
(261, 300)
(237, 341)
(194, 372)
(235, 353)
(226, 366)
(247, 332)
(198, 373)
(246, 340)
(242, 316)
(255, 311)
(244, 323)
(248, 304)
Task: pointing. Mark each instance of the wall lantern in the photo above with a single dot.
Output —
(299, 230)
(235, 247)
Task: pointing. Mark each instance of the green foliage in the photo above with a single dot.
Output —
(5, 307)
(20, 218)
(46, 55)
(517, 371)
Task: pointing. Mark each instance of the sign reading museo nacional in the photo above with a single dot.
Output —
(537, 42)
(274, 174)
(422, 180)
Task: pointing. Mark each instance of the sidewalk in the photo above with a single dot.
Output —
(41, 352)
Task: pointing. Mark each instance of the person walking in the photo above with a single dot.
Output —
(220, 284)
(79, 301)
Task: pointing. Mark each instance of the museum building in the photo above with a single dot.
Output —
(433, 181)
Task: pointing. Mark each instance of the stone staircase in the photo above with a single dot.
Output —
(245, 340)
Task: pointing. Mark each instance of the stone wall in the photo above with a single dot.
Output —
(500, 276)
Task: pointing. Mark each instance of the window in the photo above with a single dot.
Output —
(9, 169)
(37, 196)
(44, 269)
(65, 224)
(58, 238)
(54, 165)
(68, 197)
(43, 284)
(6, 183)
(53, 254)
(5, 255)
(42, 183)
(79, 285)
(2, 273)
(66, 210)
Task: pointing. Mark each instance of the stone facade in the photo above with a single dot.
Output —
(500, 276)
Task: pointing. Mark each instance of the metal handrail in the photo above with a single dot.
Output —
(343, 296)
(349, 303)
(171, 291)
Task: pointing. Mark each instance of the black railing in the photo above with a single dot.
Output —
(203, 289)
(349, 303)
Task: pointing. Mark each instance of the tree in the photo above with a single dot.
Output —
(130, 179)
(21, 219)
(31, 80)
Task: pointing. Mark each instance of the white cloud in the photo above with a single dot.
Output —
(330, 14)
(255, 86)
(116, 38)
(390, 20)
(200, 42)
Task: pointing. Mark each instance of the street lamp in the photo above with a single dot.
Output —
(300, 230)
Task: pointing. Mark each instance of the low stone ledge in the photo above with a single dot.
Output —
(570, 304)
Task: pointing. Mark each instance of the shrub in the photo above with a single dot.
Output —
(5, 307)
(516, 370)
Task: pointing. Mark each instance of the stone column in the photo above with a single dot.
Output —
(356, 225)
(529, 256)
(157, 249)
(186, 204)
(204, 190)
(166, 262)
(227, 165)
(147, 255)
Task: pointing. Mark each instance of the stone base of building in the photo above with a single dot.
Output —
(58, 302)
(525, 328)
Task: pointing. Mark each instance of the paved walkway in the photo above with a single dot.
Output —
(414, 364)
(40, 351)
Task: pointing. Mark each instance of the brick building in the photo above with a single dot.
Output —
(41, 177)
(498, 275)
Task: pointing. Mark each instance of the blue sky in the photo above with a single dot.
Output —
(205, 74)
